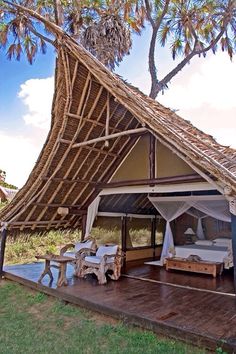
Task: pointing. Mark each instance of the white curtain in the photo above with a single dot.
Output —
(200, 232)
(171, 208)
(169, 211)
(198, 215)
(91, 215)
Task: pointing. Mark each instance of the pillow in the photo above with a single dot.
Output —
(102, 250)
(80, 245)
(204, 243)
(222, 241)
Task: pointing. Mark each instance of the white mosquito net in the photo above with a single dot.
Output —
(171, 208)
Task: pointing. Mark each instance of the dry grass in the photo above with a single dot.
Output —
(24, 247)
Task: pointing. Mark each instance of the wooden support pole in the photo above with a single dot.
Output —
(144, 182)
(111, 136)
(233, 228)
(152, 157)
(124, 233)
(2, 249)
(83, 228)
(124, 238)
(107, 119)
(55, 205)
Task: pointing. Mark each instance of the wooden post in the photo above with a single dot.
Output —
(124, 240)
(107, 119)
(2, 249)
(153, 236)
(233, 227)
(83, 229)
(124, 233)
(152, 156)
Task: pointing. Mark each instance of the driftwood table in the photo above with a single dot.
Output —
(62, 265)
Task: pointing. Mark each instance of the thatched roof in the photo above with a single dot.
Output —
(67, 176)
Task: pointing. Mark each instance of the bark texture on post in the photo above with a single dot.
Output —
(83, 231)
(2, 249)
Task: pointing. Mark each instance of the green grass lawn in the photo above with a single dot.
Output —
(32, 322)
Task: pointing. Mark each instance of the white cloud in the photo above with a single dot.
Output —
(210, 82)
(18, 156)
(21, 151)
(37, 95)
(204, 93)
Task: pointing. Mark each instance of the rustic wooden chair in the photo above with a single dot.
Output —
(85, 247)
(107, 259)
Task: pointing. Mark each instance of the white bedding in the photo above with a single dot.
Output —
(207, 253)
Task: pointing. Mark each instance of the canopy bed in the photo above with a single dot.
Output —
(170, 208)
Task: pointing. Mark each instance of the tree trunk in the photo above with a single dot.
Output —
(152, 66)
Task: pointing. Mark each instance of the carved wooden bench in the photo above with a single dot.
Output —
(204, 267)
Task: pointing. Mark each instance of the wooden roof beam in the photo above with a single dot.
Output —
(138, 131)
(55, 205)
(162, 180)
(69, 180)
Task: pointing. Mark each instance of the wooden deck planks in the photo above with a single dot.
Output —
(191, 315)
(222, 283)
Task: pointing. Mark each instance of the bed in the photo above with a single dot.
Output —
(212, 253)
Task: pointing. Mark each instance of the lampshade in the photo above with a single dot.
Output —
(189, 231)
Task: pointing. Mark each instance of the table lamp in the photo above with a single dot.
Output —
(189, 233)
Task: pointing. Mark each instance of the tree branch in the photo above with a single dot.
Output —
(151, 56)
(149, 13)
(160, 18)
(179, 67)
(50, 25)
(152, 65)
(37, 34)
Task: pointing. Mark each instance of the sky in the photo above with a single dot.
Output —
(203, 93)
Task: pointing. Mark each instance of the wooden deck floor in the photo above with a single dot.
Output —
(201, 317)
(222, 284)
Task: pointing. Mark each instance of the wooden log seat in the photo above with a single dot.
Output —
(107, 258)
(204, 267)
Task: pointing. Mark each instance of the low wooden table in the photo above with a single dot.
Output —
(62, 265)
(204, 267)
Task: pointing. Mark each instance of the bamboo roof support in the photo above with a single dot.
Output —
(107, 119)
(55, 205)
(108, 171)
(70, 180)
(94, 160)
(137, 132)
(93, 121)
(78, 154)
